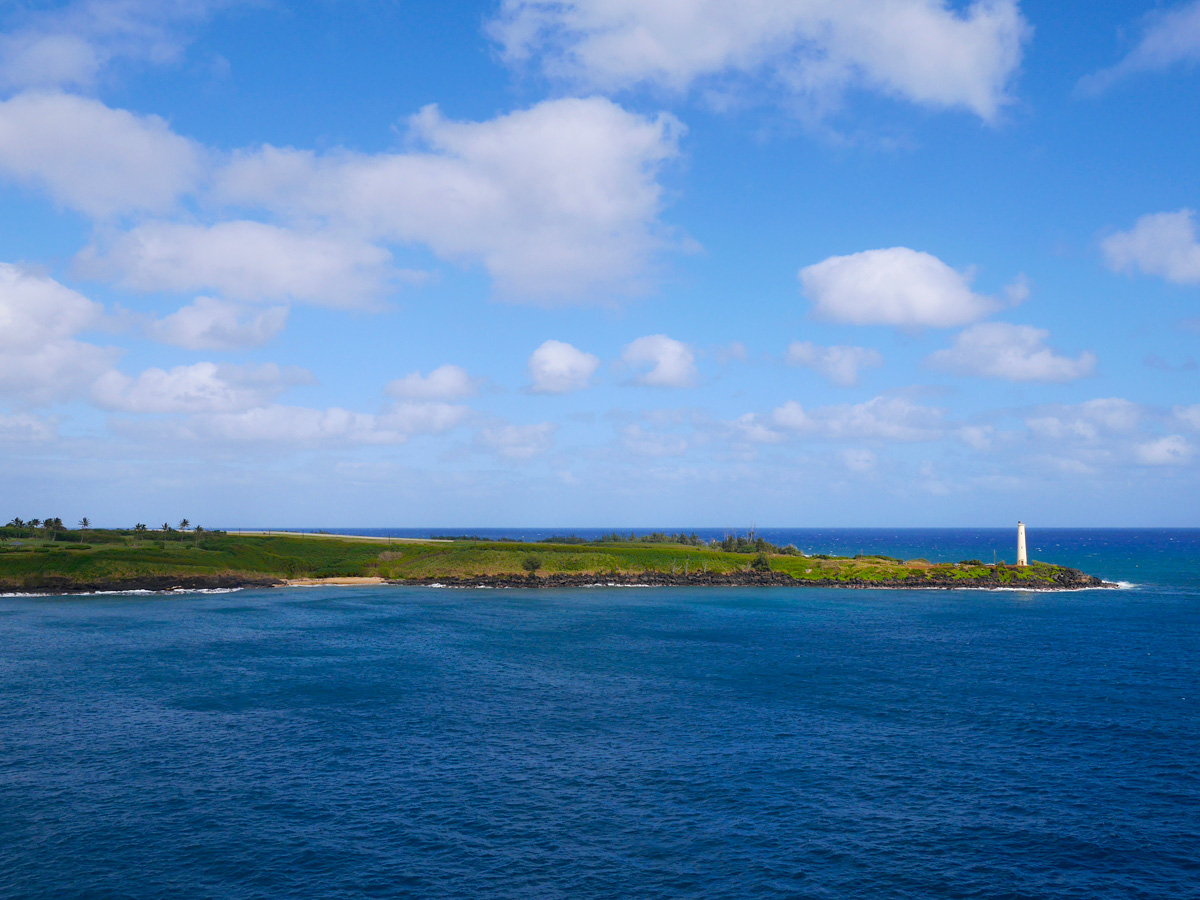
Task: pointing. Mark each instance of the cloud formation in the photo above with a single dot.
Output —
(896, 286)
(555, 201)
(40, 360)
(1170, 37)
(660, 361)
(72, 45)
(840, 365)
(886, 418)
(200, 388)
(1172, 450)
(1086, 421)
(557, 367)
(922, 51)
(210, 324)
(517, 442)
(1162, 244)
(100, 161)
(1011, 352)
(246, 261)
(443, 383)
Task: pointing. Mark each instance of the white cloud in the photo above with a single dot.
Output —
(200, 388)
(555, 201)
(1086, 421)
(293, 426)
(839, 365)
(1170, 37)
(26, 429)
(1172, 450)
(859, 459)
(977, 437)
(654, 444)
(209, 324)
(1188, 415)
(886, 418)
(39, 359)
(518, 442)
(1011, 352)
(1162, 244)
(423, 417)
(923, 51)
(443, 383)
(245, 261)
(896, 286)
(661, 361)
(556, 368)
(71, 45)
(97, 160)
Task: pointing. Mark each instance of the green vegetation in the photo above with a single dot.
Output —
(33, 557)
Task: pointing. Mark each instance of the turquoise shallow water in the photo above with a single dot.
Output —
(408, 742)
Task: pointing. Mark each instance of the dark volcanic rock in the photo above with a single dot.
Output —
(1062, 579)
(59, 584)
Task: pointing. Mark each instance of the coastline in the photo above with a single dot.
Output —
(1068, 580)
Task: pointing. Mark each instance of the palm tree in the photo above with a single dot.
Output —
(140, 528)
(184, 524)
(84, 525)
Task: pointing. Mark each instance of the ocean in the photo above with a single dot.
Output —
(339, 742)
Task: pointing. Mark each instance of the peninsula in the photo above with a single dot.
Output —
(64, 561)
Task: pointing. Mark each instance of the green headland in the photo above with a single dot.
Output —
(60, 560)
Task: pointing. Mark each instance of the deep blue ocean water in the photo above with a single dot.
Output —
(644, 743)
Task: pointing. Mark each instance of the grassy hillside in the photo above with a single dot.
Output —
(114, 557)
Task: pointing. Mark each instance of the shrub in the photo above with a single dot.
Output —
(761, 563)
(531, 563)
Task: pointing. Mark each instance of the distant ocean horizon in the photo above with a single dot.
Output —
(394, 741)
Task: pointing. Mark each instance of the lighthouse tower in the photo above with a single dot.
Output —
(1022, 556)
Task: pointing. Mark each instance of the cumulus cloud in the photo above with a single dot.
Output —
(209, 324)
(922, 51)
(94, 159)
(1169, 38)
(557, 367)
(1172, 450)
(443, 383)
(660, 361)
(517, 442)
(71, 45)
(556, 201)
(1011, 352)
(40, 361)
(840, 365)
(200, 388)
(1162, 244)
(897, 286)
(245, 261)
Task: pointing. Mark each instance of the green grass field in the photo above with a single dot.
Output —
(116, 556)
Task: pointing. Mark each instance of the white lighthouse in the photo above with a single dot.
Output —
(1022, 555)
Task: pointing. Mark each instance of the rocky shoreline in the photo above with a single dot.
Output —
(1063, 579)
(58, 585)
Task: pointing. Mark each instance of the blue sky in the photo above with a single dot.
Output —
(600, 262)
